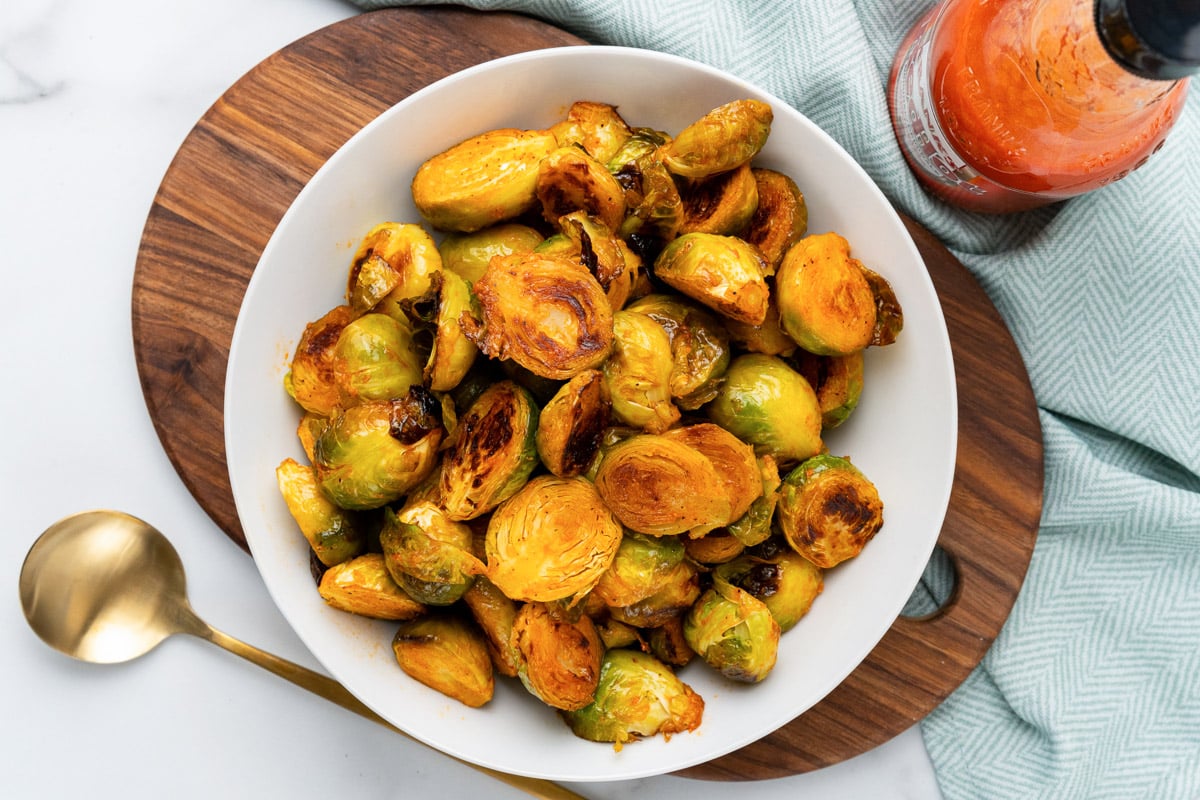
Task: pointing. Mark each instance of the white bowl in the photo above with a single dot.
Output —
(903, 435)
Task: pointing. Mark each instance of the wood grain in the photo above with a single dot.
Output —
(240, 168)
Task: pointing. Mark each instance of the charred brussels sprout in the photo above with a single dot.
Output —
(737, 470)
(699, 347)
(602, 252)
(637, 696)
(428, 554)
(468, 254)
(551, 541)
(493, 453)
(786, 582)
(837, 380)
(560, 657)
(722, 272)
(546, 313)
(596, 127)
(364, 586)
(765, 402)
(571, 180)
(451, 353)
(825, 301)
(484, 180)
(393, 261)
(652, 200)
(495, 614)
(332, 532)
(650, 482)
(639, 568)
(446, 653)
(780, 219)
(375, 359)
(734, 632)
(724, 138)
(637, 375)
(675, 594)
(828, 510)
(571, 425)
(723, 204)
(372, 454)
(312, 380)
(889, 316)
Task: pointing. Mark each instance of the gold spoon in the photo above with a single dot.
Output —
(105, 587)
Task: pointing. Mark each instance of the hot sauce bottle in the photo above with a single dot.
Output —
(1005, 105)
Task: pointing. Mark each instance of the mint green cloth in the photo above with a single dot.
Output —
(1092, 689)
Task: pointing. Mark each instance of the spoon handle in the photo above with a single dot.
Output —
(330, 689)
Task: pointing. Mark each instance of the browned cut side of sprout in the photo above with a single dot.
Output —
(495, 614)
(825, 301)
(723, 204)
(828, 510)
(312, 380)
(734, 462)
(722, 272)
(596, 127)
(363, 586)
(393, 261)
(560, 656)
(889, 316)
(780, 219)
(447, 653)
(571, 180)
(571, 425)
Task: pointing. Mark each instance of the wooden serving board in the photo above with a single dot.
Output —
(247, 158)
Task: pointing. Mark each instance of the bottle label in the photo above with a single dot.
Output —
(917, 127)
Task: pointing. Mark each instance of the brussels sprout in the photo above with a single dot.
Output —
(722, 272)
(617, 634)
(723, 204)
(571, 180)
(332, 532)
(452, 353)
(737, 470)
(596, 127)
(495, 614)
(375, 359)
(468, 254)
(547, 313)
(889, 317)
(308, 430)
(372, 454)
(754, 526)
(483, 180)
(653, 204)
(570, 426)
(765, 402)
(715, 547)
(364, 586)
(393, 261)
(825, 301)
(312, 380)
(650, 482)
(828, 510)
(605, 255)
(428, 554)
(551, 541)
(667, 643)
(639, 568)
(493, 454)
(637, 375)
(560, 657)
(837, 380)
(734, 632)
(768, 338)
(786, 583)
(447, 653)
(675, 594)
(721, 140)
(637, 696)
(699, 347)
(780, 219)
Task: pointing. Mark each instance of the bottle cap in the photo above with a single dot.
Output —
(1158, 39)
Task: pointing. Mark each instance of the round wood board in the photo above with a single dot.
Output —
(244, 162)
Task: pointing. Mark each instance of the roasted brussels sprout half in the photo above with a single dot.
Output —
(493, 453)
(571, 180)
(372, 454)
(313, 381)
(724, 138)
(428, 554)
(571, 425)
(596, 127)
(308, 430)
(837, 380)
(393, 261)
(364, 586)
(650, 482)
(734, 632)
(495, 614)
(638, 570)
(889, 316)
(825, 301)
(767, 338)
(737, 469)
(605, 254)
(786, 582)
(484, 180)
(447, 653)
(451, 352)
(546, 313)
(723, 204)
(375, 359)
(754, 526)
(468, 254)
(332, 532)
(552, 540)
(699, 347)
(780, 218)
(715, 547)
(560, 656)
(667, 643)
(722, 272)
(765, 402)
(828, 510)
(637, 376)
(637, 696)
(653, 204)
(675, 594)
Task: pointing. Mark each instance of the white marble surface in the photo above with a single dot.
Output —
(95, 97)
